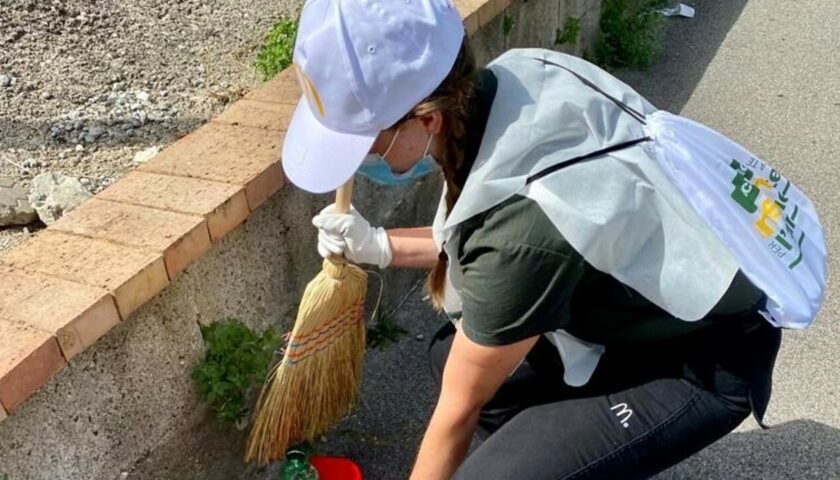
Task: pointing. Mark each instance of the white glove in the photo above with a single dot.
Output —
(349, 234)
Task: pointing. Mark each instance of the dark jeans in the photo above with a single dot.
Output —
(645, 409)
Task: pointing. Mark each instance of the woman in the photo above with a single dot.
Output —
(601, 328)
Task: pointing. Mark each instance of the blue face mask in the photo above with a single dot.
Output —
(375, 168)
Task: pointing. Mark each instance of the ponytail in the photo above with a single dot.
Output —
(453, 98)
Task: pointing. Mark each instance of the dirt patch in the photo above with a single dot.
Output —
(87, 84)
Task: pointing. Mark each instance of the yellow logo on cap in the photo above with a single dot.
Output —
(309, 90)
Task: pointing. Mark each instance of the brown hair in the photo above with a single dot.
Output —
(453, 98)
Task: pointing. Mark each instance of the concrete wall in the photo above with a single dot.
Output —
(126, 408)
(534, 23)
(131, 393)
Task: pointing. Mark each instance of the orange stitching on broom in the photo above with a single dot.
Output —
(340, 326)
(317, 341)
(318, 331)
(302, 339)
(337, 330)
(294, 359)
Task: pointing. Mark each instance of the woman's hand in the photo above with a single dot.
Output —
(349, 234)
(472, 375)
(352, 236)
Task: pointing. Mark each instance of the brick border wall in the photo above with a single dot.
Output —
(69, 285)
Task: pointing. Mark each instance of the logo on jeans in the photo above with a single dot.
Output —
(623, 413)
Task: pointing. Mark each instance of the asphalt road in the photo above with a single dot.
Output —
(767, 74)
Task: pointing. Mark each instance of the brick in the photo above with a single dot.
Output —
(469, 12)
(471, 23)
(181, 238)
(226, 153)
(258, 114)
(131, 275)
(264, 186)
(490, 10)
(28, 359)
(283, 88)
(77, 315)
(228, 215)
(223, 205)
(468, 7)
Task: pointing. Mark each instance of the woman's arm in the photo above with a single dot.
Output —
(413, 247)
(471, 377)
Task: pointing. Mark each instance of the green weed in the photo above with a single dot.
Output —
(507, 25)
(277, 49)
(383, 333)
(569, 33)
(233, 368)
(630, 33)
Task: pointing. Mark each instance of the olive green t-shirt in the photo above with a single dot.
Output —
(522, 278)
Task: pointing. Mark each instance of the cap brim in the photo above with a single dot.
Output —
(318, 159)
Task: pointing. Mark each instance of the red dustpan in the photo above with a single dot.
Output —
(336, 468)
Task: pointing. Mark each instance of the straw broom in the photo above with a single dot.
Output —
(317, 382)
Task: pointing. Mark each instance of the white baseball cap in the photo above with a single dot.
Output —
(362, 65)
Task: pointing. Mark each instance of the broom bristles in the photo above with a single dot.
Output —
(317, 382)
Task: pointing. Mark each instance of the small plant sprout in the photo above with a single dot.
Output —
(277, 49)
(568, 35)
(507, 25)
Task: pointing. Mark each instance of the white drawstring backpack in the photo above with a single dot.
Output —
(767, 223)
(770, 227)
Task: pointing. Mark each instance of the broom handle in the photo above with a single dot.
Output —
(342, 205)
(342, 197)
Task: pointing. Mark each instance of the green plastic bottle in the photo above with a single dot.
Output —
(297, 466)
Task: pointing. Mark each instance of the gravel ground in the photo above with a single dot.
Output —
(87, 84)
